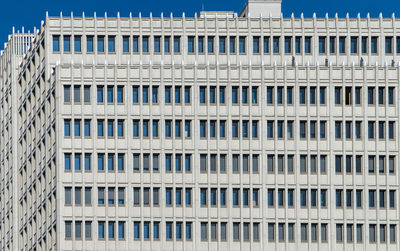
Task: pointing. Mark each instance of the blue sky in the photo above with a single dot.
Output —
(29, 13)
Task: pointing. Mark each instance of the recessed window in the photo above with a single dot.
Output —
(77, 43)
(322, 45)
(100, 44)
(67, 43)
(125, 44)
(111, 44)
(191, 44)
(56, 43)
(157, 44)
(89, 44)
(354, 45)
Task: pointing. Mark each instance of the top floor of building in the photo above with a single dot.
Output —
(258, 35)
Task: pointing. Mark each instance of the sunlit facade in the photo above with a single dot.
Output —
(222, 131)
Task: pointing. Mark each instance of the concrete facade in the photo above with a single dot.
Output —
(215, 132)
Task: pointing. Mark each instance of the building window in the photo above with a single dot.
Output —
(322, 45)
(111, 194)
(339, 233)
(86, 94)
(236, 231)
(270, 129)
(307, 45)
(354, 45)
(121, 196)
(191, 44)
(357, 96)
(266, 45)
(177, 44)
(110, 128)
(67, 43)
(67, 127)
(145, 44)
(388, 45)
(100, 128)
(392, 233)
(297, 45)
(121, 230)
(77, 43)
(121, 161)
(271, 232)
(235, 95)
(275, 45)
(100, 44)
(242, 45)
(68, 196)
(67, 93)
(135, 94)
(371, 129)
(68, 229)
(342, 45)
(371, 198)
(303, 129)
(136, 230)
(177, 95)
(168, 162)
(222, 44)
(110, 94)
(77, 93)
(120, 94)
(312, 95)
(56, 43)
(146, 230)
(338, 129)
(187, 94)
(100, 162)
(101, 230)
(338, 95)
(67, 162)
(279, 95)
(279, 129)
(87, 127)
(167, 44)
(157, 44)
(200, 44)
(111, 229)
(111, 44)
(302, 95)
(77, 162)
(256, 45)
(100, 94)
(381, 95)
(288, 45)
(89, 44)
(125, 44)
(100, 196)
(135, 44)
(210, 44)
(374, 45)
(372, 233)
(88, 196)
(88, 230)
(364, 45)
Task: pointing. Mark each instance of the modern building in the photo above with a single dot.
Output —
(214, 132)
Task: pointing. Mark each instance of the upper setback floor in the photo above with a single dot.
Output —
(299, 41)
(309, 30)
